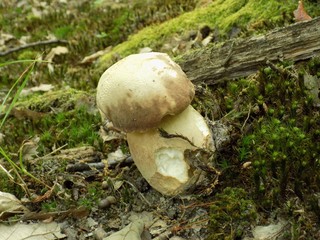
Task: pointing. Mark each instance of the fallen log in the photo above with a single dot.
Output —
(242, 57)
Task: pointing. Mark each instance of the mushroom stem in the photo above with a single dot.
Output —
(160, 155)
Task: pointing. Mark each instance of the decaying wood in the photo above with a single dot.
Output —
(242, 57)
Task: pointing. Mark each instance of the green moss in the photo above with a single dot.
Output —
(59, 100)
(231, 213)
(63, 32)
(282, 151)
(49, 206)
(9, 186)
(94, 193)
(28, 55)
(222, 14)
(283, 145)
(276, 129)
(66, 117)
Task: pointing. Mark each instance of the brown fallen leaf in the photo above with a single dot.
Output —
(41, 88)
(91, 58)
(300, 14)
(59, 50)
(10, 205)
(21, 231)
(5, 38)
(56, 51)
(132, 231)
(45, 196)
(29, 148)
(25, 113)
(77, 213)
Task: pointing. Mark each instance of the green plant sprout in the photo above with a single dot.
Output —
(19, 85)
(23, 79)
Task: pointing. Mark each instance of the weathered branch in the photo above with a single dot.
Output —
(34, 44)
(242, 57)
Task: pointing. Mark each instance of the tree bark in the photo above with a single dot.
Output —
(242, 57)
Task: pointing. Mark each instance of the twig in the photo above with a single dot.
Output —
(136, 190)
(81, 166)
(56, 150)
(280, 70)
(34, 44)
(7, 172)
(246, 118)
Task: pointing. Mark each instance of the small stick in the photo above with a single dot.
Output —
(139, 193)
(246, 118)
(34, 44)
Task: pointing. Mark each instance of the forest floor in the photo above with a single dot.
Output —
(76, 180)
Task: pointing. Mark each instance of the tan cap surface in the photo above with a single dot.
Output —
(139, 90)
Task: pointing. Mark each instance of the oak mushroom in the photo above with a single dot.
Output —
(148, 96)
(138, 91)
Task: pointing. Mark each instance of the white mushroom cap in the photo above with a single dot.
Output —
(137, 92)
(162, 161)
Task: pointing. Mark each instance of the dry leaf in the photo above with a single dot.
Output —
(59, 50)
(271, 231)
(5, 38)
(29, 148)
(45, 196)
(117, 184)
(300, 14)
(116, 157)
(76, 213)
(91, 58)
(41, 88)
(108, 132)
(132, 231)
(37, 231)
(109, 135)
(22, 114)
(9, 204)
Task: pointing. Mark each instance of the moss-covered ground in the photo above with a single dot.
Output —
(277, 121)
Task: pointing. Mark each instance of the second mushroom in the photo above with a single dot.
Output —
(148, 96)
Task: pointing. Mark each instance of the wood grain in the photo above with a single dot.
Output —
(242, 57)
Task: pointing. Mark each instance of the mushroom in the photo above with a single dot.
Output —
(139, 90)
(148, 96)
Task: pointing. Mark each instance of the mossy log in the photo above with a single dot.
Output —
(242, 57)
